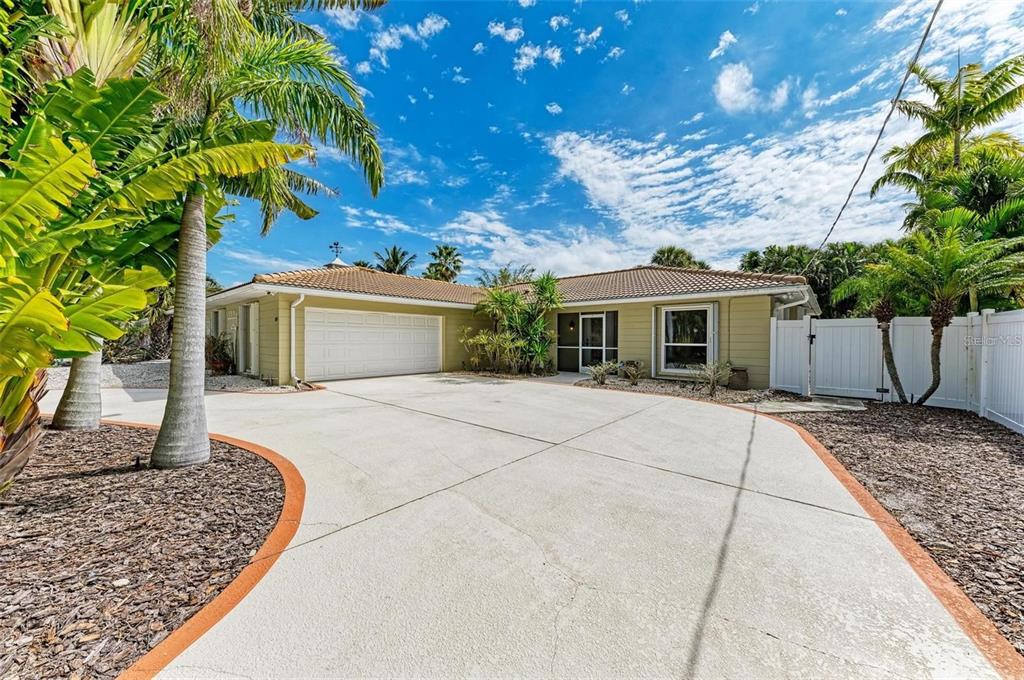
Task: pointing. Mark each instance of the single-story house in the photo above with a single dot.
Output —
(341, 321)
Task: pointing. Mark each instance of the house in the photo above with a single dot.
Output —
(341, 321)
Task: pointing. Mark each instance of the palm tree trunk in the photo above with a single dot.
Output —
(81, 404)
(890, 362)
(936, 365)
(972, 295)
(183, 438)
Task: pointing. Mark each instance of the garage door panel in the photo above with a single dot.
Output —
(343, 344)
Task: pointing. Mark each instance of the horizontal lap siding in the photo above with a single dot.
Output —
(743, 331)
(749, 336)
(452, 321)
(270, 368)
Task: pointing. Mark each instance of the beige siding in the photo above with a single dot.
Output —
(268, 337)
(743, 330)
(452, 321)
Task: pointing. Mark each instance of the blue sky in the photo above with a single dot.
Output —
(580, 136)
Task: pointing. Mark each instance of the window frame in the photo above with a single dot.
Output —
(711, 343)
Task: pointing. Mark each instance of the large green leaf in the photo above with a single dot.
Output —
(172, 178)
(26, 316)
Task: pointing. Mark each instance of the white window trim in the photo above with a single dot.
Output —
(712, 341)
(218, 325)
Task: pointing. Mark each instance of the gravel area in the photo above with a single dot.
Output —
(679, 388)
(101, 561)
(156, 375)
(955, 482)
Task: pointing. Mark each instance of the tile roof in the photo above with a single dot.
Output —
(658, 281)
(636, 282)
(351, 279)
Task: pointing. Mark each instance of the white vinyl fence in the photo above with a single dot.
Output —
(982, 361)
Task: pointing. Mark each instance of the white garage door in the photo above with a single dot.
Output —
(343, 344)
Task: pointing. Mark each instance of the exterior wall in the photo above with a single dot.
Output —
(453, 354)
(743, 332)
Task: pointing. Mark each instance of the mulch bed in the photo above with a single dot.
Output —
(99, 562)
(955, 482)
(690, 390)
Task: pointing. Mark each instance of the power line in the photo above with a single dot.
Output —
(881, 131)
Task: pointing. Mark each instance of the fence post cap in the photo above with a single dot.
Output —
(986, 312)
(972, 314)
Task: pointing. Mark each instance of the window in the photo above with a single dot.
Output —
(587, 339)
(217, 325)
(688, 337)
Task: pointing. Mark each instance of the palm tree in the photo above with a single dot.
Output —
(944, 264)
(969, 101)
(506, 275)
(881, 298)
(446, 265)
(677, 256)
(394, 260)
(362, 263)
(222, 62)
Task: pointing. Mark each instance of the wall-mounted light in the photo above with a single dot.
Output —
(572, 324)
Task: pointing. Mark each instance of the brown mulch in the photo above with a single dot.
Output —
(99, 561)
(690, 390)
(955, 482)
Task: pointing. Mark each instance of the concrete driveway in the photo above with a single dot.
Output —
(458, 526)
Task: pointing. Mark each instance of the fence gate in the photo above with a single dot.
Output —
(846, 359)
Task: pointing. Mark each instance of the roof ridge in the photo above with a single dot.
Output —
(267, 276)
(794, 278)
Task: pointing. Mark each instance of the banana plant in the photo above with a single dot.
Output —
(88, 172)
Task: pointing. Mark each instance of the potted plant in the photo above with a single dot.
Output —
(218, 354)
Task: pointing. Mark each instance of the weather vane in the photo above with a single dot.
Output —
(336, 247)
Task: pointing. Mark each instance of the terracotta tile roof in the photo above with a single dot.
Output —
(657, 281)
(373, 282)
(636, 282)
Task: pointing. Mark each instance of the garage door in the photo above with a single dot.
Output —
(343, 344)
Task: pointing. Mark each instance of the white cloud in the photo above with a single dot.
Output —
(345, 18)
(721, 200)
(497, 29)
(695, 118)
(623, 16)
(841, 12)
(363, 68)
(734, 88)
(553, 53)
(430, 95)
(526, 58)
(527, 3)
(753, 9)
(586, 41)
(431, 25)
(725, 41)
(479, 48)
(395, 36)
(460, 79)
(779, 96)
(412, 100)
(615, 53)
(494, 129)
(407, 176)
(491, 242)
(558, 21)
(627, 89)
(553, 108)
(266, 262)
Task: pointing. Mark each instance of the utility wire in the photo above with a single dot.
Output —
(881, 131)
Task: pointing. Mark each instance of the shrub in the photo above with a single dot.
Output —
(712, 374)
(519, 339)
(600, 372)
(632, 371)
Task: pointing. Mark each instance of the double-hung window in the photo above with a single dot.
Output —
(688, 337)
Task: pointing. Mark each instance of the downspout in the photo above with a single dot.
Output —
(796, 303)
(291, 337)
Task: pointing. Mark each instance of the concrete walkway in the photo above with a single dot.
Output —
(458, 526)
